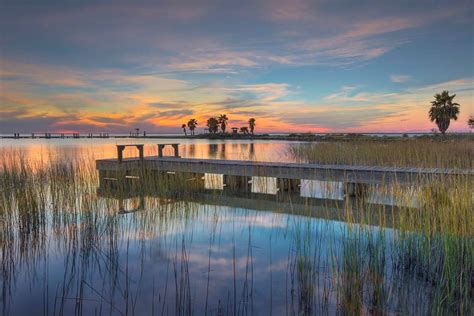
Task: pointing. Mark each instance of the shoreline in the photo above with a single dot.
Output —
(290, 137)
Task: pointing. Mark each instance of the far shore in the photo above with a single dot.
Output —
(306, 137)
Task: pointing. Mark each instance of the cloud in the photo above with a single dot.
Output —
(233, 103)
(214, 61)
(383, 111)
(176, 113)
(107, 120)
(456, 86)
(158, 36)
(22, 121)
(338, 118)
(399, 78)
(266, 92)
(339, 41)
(350, 94)
(285, 11)
(168, 105)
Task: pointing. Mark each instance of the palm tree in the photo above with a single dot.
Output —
(213, 125)
(470, 122)
(184, 129)
(443, 109)
(222, 119)
(192, 123)
(252, 125)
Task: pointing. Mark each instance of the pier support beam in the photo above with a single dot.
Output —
(120, 149)
(292, 186)
(358, 190)
(175, 149)
(237, 183)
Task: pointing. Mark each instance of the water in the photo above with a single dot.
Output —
(195, 148)
(209, 253)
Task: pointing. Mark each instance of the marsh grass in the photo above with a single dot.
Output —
(432, 243)
(438, 152)
(347, 261)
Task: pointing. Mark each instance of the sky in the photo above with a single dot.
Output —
(295, 66)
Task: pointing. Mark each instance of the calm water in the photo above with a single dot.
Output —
(200, 148)
(214, 254)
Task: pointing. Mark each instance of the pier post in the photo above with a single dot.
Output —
(356, 189)
(292, 186)
(140, 152)
(197, 180)
(237, 183)
(120, 149)
(141, 203)
(176, 150)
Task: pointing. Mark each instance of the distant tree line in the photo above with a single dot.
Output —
(214, 124)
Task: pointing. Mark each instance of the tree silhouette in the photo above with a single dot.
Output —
(184, 129)
(213, 125)
(222, 120)
(470, 122)
(192, 123)
(244, 130)
(443, 109)
(252, 125)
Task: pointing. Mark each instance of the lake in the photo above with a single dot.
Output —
(68, 248)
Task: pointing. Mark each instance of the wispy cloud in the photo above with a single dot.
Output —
(353, 94)
(266, 92)
(285, 11)
(400, 78)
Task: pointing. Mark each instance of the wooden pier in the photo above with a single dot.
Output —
(237, 174)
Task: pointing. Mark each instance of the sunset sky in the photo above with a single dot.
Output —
(320, 66)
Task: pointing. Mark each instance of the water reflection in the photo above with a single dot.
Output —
(213, 150)
(315, 189)
(45, 150)
(263, 196)
(70, 249)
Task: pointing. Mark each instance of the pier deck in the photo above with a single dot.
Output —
(341, 173)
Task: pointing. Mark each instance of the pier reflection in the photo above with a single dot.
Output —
(316, 200)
